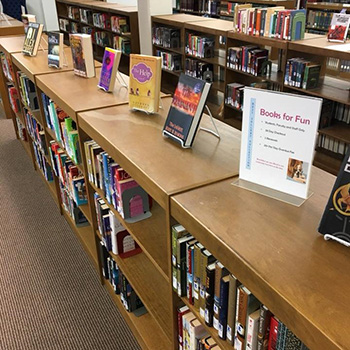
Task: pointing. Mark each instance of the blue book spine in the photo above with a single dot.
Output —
(223, 305)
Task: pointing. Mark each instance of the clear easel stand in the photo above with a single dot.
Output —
(121, 80)
(340, 237)
(269, 192)
(3, 15)
(216, 132)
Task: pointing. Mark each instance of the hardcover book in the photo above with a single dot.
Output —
(110, 63)
(32, 39)
(186, 110)
(339, 27)
(336, 217)
(55, 49)
(83, 60)
(144, 83)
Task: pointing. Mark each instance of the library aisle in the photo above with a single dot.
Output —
(50, 295)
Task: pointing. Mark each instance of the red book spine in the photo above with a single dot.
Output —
(189, 284)
(273, 333)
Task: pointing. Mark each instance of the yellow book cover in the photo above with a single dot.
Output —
(144, 84)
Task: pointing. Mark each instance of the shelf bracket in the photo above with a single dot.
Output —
(216, 132)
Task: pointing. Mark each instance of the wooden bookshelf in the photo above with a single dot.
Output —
(299, 270)
(327, 6)
(11, 27)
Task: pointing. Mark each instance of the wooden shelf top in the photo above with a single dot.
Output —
(275, 250)
(211, 26)
(11, 27)
(326, 6)
(322, 47)
(259, 40)
(161, 166)
(82, 94)
(179, 19)
(103, 6)
(38, 64)
(14, 43)
(340, 131)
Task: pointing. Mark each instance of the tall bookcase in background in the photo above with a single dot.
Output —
(111, 25)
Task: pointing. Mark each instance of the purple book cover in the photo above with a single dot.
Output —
(106, 70)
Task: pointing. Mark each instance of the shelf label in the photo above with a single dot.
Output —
(278, 140)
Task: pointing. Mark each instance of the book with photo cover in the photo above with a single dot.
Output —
(55, 49)
(32, 39)
(186, 110)
(110, 64)
(336, 217)
(338, 30)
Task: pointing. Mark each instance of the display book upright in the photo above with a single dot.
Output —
(109, 71)
(55, 53)
(186, 110)
(335, 222)
(32, 39)
(338, 30)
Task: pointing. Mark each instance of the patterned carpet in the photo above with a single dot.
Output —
(50, 294)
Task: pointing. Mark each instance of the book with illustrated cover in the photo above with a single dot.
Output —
(110, 63)
(55, 49)
(32, 39)
(338, 30)
(186, 110)
(26, 19)
(144, 84)
(83, 60)
(336, 217)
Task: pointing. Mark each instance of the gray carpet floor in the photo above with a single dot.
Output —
(50, 294)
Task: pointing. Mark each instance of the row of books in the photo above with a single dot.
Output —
(63, 126)
(199, 46)
(68, 174)
(222, 301)
(199, 6)
(35, 131)
(122, 44)
(64, 24)
(338, 64)
(302, 73)
(250, 59)
(170, 61)
(42, 163)
(13, 98)
(166, 37)
(319, 19)
(73, 12)
(273, 22)
(331, 144)
(22, 133)
(200, 70)
(121, 285)
(6, 66)
(119, 188)
(342, 113)
(114, 236)
(27, 91)
(191, 332)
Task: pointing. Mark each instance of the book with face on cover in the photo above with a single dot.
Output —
(186, 110)
(110, 64)
(338, 30)
(32, 39)
(26, 19)
(144, 83)
(83, 59)
(55, 49)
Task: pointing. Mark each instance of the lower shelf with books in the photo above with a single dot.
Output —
(51, 186)
(85, 210)
(85, 236)
(150, 285)
(146, 330)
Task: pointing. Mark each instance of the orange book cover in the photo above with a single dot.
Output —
(144, 84)
(258, 23)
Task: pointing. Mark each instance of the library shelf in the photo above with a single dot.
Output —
(219, 61)
(11, 27)
(125, 136)
(146, 330)
(274, 77)
(233, 107)
(86, 211)
(26, 146)
(339, 131)
(20, 116)
(50, 185)
(140, 273)
(327, 6)
(177, 19)
(147, 234)
(212, 26)
(173, 72)
(299, 270)
(327, 160)
(14, 43)
(174, 50)
(85, 235)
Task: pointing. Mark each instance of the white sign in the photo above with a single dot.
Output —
(278, 140)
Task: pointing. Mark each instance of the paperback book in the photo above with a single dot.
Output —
(339, 27)
(26, 19)
(55, 49)
(83, 60)
(110, 63)
(144, 84)
(186, 110)
(32, 39)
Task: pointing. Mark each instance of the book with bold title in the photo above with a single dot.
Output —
(336, 217)
(32, 39)
(55, 49)
(144, 84)
(186, 110)
(82, 54)
(110, 64)
(338, 30)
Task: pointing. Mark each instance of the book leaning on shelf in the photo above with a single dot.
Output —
(82, 54)
(338, 30)
(32, 39)
(109, 70)
(55, 49)
(144, 83)
(186, 110)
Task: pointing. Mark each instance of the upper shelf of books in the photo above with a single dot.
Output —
(327, 6)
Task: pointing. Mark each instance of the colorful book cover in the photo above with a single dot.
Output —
(110, 63)
(336, 217)
(339, 27)
(144, 84)
(186, 109)
(32, 39)
(77, 54)
(55, 49)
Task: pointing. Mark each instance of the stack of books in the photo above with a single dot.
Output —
(170, 61)
(198, 46)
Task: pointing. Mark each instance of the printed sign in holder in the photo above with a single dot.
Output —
(278, 140)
